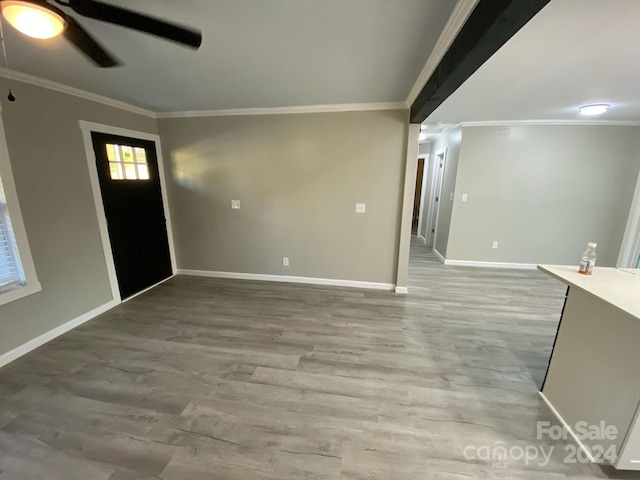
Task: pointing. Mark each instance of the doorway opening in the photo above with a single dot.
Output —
(417, 198)
(435, 196)
(127, 178)
(132, 200)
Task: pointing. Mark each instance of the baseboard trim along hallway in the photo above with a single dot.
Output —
(40, 340)
(288, 279)
(471, 263)
(439, 255)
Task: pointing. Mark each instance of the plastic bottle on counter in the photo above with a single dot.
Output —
(588, 259)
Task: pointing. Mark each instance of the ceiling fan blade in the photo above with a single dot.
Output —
(137, 21)
(88, 45)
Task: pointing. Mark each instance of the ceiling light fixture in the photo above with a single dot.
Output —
(33, 20)
(594, 109)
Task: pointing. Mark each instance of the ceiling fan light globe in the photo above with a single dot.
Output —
(33, 20)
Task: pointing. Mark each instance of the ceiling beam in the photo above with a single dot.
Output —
(491, 24)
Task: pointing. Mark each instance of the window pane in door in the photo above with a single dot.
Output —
(143, 172)
(127, 162)
(130, 171)
(127, 153)
(116, 171)
(141, 155)
(111, 152)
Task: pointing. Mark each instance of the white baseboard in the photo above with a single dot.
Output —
(289, 279)
(471, 263)
(440, 257)
(424, 240)
(27, 347)
(402, 290)
(581, 445)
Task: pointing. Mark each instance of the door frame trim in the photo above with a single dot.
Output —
(423, 191)
(86, 129)
(438, 179)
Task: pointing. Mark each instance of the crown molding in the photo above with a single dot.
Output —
(514, 123)
(456, 21)
(76, 92)
(346, 107)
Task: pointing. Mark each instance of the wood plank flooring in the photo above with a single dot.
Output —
(219, 379)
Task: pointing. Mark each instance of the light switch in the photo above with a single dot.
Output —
(285, 261)
(464, 197)
(361, 207)
(235, 204)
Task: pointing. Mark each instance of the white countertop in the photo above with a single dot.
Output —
(619, 287)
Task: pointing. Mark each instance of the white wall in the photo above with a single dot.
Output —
(543, 192)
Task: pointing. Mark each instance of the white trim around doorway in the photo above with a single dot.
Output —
(423, 192)
(87, 128)
(436, 191)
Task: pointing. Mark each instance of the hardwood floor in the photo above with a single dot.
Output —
(219, 379)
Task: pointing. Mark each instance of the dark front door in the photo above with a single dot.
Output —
(132, 198)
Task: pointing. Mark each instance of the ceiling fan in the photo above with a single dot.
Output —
(41, 19)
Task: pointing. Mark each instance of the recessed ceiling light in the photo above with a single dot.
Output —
(594, 109)
(32, 19)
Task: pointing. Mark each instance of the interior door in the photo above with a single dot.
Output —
(132, 199)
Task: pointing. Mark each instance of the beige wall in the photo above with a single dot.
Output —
(543, 192)
(52, 179)
(449, 141)
(298, 178)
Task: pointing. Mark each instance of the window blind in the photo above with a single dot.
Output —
(10, 268)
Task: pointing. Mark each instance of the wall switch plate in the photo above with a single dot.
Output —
(494, 245)
(451, 196)
(464, 197)
(235, 204)
(361, 207)
(285, 261)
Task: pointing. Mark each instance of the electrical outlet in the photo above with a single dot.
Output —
(285, 261)
(361, 207)
(235, 204)
(464, 197)
(494, 245)
(451, 196)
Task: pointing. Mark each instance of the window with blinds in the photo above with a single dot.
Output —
(11, 274)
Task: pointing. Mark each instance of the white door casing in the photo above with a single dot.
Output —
(87, 128)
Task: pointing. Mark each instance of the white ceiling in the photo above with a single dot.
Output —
(255, 53)
(572, 53)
